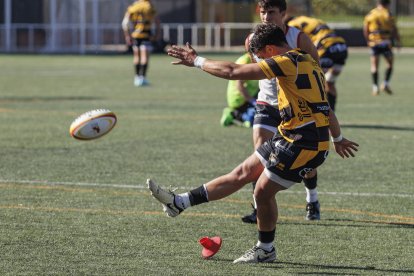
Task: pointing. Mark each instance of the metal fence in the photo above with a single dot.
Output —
(90, 38)
(94, 26)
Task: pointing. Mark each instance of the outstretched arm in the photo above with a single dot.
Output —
(125, 28)
(222, 69)
(343, 146)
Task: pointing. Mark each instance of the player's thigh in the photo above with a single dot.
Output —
(266, 189)
(374, 62)
(332, 73)
(266, 120)
(250, 169)
(145, 50)
(389, 59)
(261, 135)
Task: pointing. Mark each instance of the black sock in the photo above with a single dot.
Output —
(144, 69)
(332, 101)
(388, 73)
(375, 78)
(311, 183)
(137, 69)
(198, 196)
(267, 236)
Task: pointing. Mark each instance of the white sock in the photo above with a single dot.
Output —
(311, 195)
(264, 245)
(182, 200)
(254, 203)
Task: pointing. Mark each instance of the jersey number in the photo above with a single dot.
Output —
(319, 80)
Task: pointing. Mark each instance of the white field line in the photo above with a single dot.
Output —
(143, 187)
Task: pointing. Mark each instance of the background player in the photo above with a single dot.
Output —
(267, 116)
(381, 32)
(241, 99)
(139, 17)
(332, 50)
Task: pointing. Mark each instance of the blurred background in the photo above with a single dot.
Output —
(94, 26)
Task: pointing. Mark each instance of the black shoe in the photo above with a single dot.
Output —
(252, 218)
(313, 211)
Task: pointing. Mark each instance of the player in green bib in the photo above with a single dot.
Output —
(241, 99)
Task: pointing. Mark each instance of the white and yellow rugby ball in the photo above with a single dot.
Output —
(93, 124)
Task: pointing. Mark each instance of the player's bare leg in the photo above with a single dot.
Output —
(260, 135)
(144, 53)
(230, 183)
(267, 215)
(218, 188)
(374, 73)
(388, 72)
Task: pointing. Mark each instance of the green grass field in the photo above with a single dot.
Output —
(82, 208)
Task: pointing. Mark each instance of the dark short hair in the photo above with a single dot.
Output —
(267, 34)
(267, 4)
(384, 2)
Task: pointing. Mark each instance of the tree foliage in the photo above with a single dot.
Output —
(355, 7)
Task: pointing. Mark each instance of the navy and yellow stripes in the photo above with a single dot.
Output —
(302, 99)
(380, 25)
(141, 15)
(318, 31)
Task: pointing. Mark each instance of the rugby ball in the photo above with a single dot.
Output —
(92, 124)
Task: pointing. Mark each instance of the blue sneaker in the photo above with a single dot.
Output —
(138, 81)
(145, 82)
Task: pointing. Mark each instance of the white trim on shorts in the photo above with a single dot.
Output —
(329, 76)
(267, 127)
(272, 176)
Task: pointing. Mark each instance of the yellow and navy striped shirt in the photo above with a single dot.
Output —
(141, 14)
(303, 103)
(318, 31)
(380, 25)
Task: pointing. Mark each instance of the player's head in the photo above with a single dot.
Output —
(268, 4)
(267, 35)
(272, 11)
(384, 3)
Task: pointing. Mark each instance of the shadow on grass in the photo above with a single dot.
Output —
(339, 267)
(354, 223)
(378, 127)
(47, 99)
(307, 266)
(377, 223)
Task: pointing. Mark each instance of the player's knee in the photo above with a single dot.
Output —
(244, 173)
(311, 181)
(310, 174)
(262, 196)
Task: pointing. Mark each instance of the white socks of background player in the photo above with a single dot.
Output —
(311, 195)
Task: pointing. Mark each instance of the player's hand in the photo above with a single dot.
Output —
(128, 40)
(346, 148)
(186, 55)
